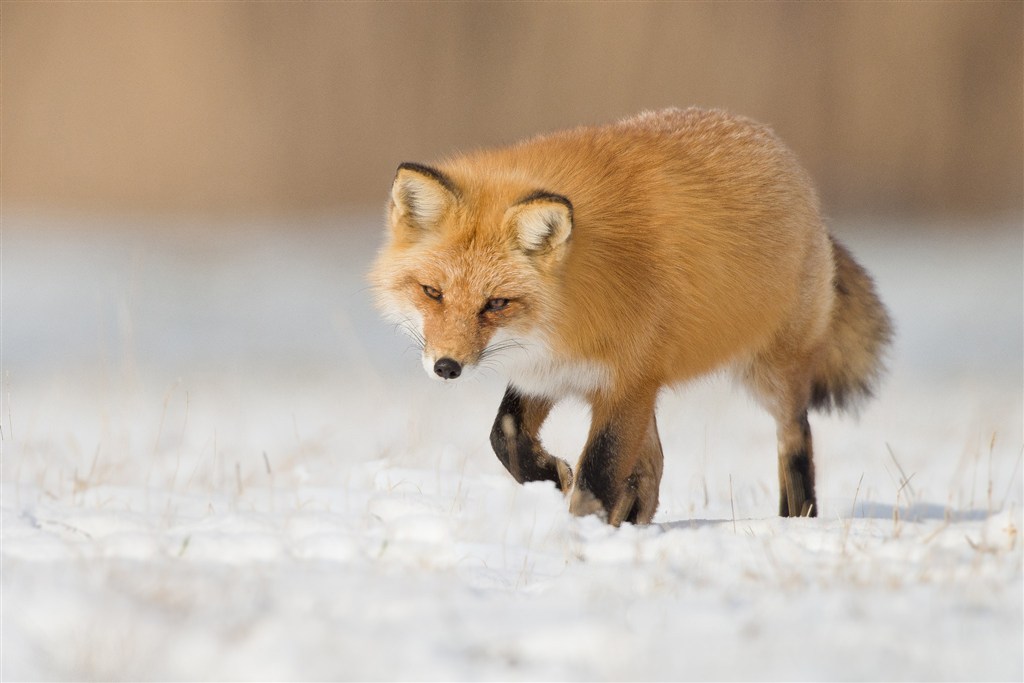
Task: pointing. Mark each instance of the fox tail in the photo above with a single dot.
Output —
(859, 333)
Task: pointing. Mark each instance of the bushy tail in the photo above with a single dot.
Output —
(858, 336)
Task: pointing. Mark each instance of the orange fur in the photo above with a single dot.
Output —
(633, 256)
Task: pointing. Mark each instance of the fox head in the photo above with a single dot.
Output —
(468, 269)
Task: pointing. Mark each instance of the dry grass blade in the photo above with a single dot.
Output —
(732, 504)
(906, 479)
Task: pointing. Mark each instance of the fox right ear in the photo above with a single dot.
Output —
(543, 222)
(420, 195)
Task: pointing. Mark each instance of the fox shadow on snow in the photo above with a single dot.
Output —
(916, 512)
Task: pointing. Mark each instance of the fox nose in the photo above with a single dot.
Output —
(447, 368)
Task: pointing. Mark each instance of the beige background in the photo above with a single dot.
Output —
(236, 107)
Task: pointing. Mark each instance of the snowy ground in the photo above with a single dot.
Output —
(219, 464)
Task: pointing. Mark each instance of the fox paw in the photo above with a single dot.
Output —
(583, 503)
(564, 473)
(635, 507)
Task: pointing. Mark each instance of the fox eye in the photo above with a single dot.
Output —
(432, 292)
(496, 305)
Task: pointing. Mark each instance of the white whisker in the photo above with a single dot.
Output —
(409, 327)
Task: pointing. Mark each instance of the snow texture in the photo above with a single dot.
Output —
(218, 463)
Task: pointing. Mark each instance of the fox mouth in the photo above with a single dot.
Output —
(448, 368)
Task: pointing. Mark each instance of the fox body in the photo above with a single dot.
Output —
(609, 262)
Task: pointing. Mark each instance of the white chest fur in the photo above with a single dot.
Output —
(535, 370)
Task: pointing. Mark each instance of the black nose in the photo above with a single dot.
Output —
(447, 368)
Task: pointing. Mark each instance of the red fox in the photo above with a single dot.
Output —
(608, 262)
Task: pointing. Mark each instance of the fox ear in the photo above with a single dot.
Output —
(420, 195)
(543, 222)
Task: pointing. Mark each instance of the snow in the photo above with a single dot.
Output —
(218, 463)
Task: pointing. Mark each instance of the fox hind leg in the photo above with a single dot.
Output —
(515, 440)
(796, 469)
(783, 387)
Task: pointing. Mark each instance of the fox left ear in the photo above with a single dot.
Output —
(543, 222)
(420, 195)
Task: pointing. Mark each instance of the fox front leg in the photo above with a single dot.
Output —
(515, 440)
(620, 470)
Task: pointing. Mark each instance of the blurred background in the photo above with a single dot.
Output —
(243, 108)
